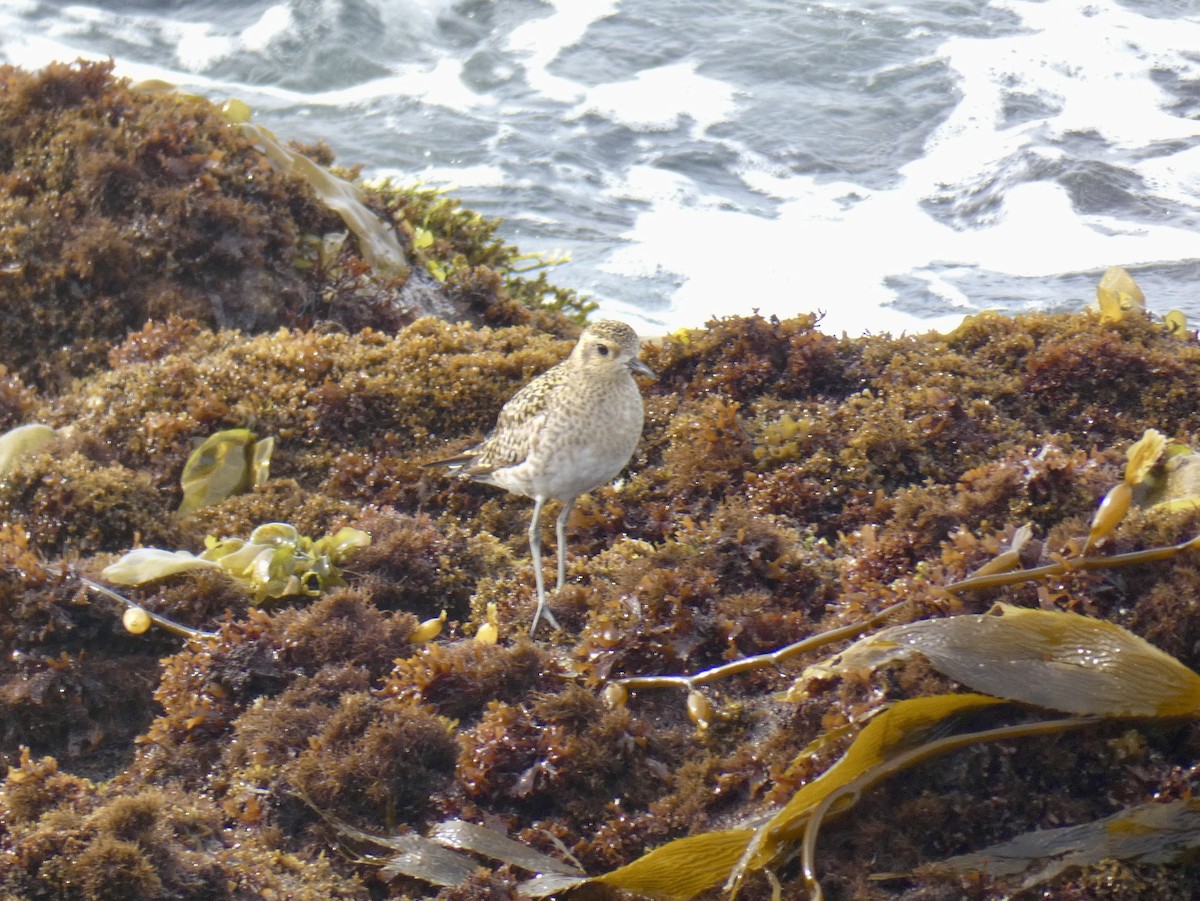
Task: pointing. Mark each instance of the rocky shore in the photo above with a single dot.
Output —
(163, 279)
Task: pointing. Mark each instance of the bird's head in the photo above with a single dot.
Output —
(610, 346)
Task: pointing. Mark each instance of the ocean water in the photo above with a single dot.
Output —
(895, 165)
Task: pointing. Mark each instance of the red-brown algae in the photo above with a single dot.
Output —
(150, 205)
(728, 576)
(787, 482)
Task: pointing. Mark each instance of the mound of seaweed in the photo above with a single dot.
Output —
(788, 482)
(122, 204)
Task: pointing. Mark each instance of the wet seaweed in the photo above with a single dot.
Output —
(789, 484)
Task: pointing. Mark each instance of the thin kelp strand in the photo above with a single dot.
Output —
(1073, 564)
(854, 789)
(761, 661)
(1009, 559)
(158, 619)
(971, 583)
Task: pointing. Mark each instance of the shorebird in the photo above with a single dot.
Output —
(571, 429)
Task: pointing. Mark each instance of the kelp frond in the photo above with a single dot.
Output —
(1044, 659)
(1047, 658)
(898, 737)
(226, 463)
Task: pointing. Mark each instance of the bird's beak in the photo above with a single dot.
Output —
(637, 365)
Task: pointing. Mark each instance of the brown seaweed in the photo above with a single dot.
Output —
(790, 484)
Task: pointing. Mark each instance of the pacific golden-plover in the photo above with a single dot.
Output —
(572, 429)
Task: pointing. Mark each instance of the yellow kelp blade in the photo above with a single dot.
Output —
(1112, 510)
(260, 460)
(1116, 294)
(1177, 486)
(227, 463)
(678, 870)
(24, 439)
(900, 728)
(145, 564)
(1176, 323)
(377, 241)
(1061, 661)
(1141, 457)
(688, 866)
(1143, 454)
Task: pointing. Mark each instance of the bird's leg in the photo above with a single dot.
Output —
(535, 550)
(560, 532)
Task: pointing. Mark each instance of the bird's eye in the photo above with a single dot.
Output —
(602, 349)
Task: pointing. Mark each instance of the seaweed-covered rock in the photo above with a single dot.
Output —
(788, 482)
(135, 206)
(757, 511)
(121, 205)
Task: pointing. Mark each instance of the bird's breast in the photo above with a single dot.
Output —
(584, 442)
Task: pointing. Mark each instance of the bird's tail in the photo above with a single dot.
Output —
(465, 465)
(456, 462)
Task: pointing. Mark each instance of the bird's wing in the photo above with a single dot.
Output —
(516, 432)
(531, 401)
(507, 447)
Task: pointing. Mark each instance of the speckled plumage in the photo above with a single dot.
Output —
(571, 429)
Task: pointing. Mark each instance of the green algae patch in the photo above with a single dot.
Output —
(275, 561)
